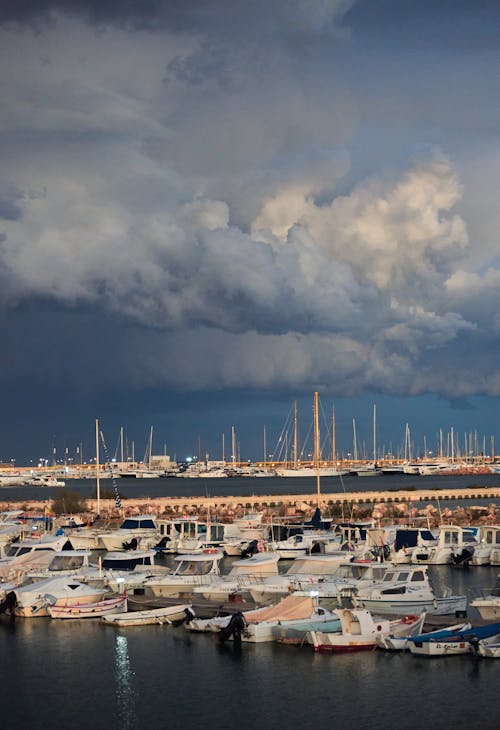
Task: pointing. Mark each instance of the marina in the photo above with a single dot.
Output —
(143, 654)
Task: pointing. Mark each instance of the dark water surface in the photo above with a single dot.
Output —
(83, 675)
(248, 487)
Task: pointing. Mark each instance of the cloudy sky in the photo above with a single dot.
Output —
(211, 208)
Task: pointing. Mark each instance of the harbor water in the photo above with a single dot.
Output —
(80, 674)
(246, 487)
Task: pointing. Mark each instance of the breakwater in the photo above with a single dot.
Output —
(287, 502)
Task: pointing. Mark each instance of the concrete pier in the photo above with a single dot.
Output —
(299, 501)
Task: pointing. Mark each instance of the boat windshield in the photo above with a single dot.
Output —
(418, 576)
(13, 551)
(192, 567)
(66, 562)
(131, 524)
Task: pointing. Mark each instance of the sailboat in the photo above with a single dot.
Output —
(296, 469)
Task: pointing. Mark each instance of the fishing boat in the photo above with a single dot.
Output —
(89, 610)
(358, 631)
(168, 615)
(452, 641)
(295, 632)
(397, 642)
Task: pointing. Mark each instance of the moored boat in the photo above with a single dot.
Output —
(452, 641)
(167, 615)
(89, 610)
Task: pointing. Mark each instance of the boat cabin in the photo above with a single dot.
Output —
(199, 564)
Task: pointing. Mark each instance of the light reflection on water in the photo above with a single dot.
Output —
(125, 695)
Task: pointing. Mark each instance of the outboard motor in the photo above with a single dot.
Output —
(463, 558)
(251, 549)
(9, 603)
(234, 629)
(132, 545)
(162, 545)
(189, 616)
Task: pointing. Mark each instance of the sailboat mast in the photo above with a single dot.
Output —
(334, 442)
(295, 436)
(316, 446)
(374, 434)
(98, 483)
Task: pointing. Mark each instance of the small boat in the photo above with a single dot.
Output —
(399, 638)
(152, 616)
(359, 630)
(489, 651)
(257, 625)
(89, 610)
(295, 632)
(452, 641)
(488, 605)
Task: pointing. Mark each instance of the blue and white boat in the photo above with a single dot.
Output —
(453, 640)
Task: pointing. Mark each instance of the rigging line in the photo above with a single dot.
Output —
(108, 463)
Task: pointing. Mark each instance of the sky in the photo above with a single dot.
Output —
(211, 209)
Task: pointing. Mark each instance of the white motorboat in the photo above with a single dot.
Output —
(191, 571)
(45, 481)
(63, 562)
(488, 606)
(406, 589)
(244, 575)
(310, 572)
(131, 532)
(293, 547)
(19, 557)
(359, 630)
(153, 616)
(34, 599)
(452, 641)
(127, 560)
(489, 542)
(454, 545)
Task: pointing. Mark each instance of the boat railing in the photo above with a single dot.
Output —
(250, 580)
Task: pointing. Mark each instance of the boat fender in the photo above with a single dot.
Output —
(210, 551)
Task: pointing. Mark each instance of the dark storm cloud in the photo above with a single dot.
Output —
(252, 195)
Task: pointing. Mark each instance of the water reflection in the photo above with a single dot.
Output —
(125, 695)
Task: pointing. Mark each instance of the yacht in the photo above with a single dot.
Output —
(407, 590)
(191, 571)
(139, 528)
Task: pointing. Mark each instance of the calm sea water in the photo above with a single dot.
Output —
(81, 675)
(246, 487)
